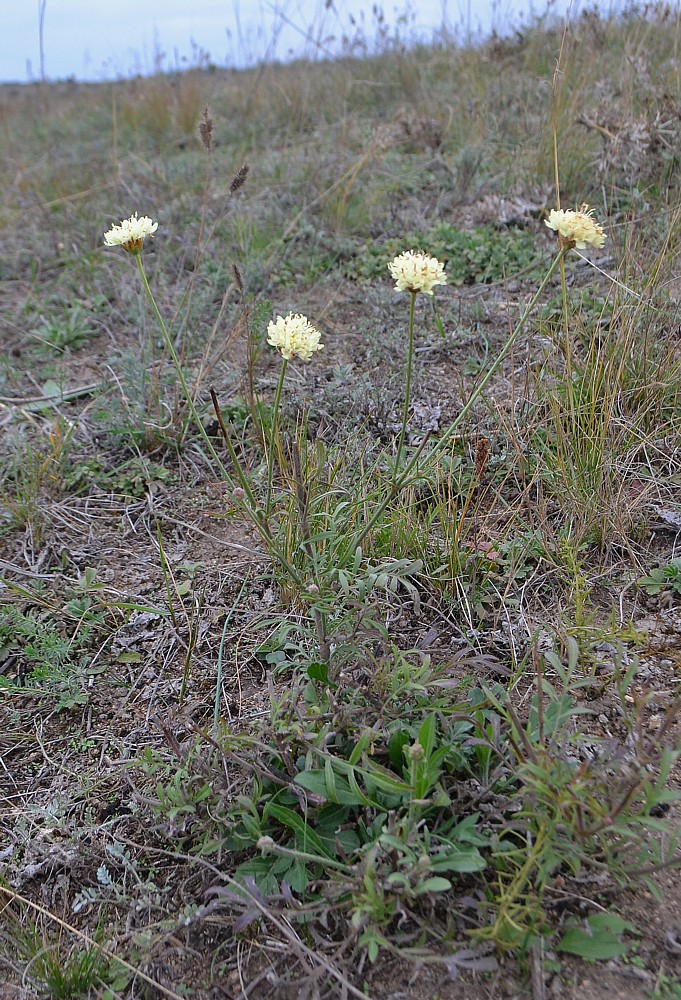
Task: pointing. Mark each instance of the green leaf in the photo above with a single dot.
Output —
(360, 747)
(375, 773)
(51, 389)
(459, 861)
(313, 781)
(262, 873)
(145, 608)
(317, 783)
(467, 831)
(297, 876)
(352, 781)
(129, 657)
(306, 839)
(599, 940)
(612, 923)
(438, 324)
(397, 742)
(318, 671)
(434, 884)
(427, 734)
(590, 948)
(330, 781)
(384, 779)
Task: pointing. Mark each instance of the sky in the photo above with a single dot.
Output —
(107, 39)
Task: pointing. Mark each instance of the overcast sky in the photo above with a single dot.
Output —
(105, 39)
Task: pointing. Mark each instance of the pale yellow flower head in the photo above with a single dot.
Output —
(417, 272)
(131, 233)
(576, 229)
(294, 336)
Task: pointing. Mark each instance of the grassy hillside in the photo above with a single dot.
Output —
(357, 674)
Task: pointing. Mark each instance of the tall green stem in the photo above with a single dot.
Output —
(273, 435)
(569, 386)
(407, 391)
(399, 481)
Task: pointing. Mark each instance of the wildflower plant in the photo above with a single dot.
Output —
(414, 272)
(582, 448)
(403, 269)
(576, 230)
(131, 233)
(294, 336)
(417, 272)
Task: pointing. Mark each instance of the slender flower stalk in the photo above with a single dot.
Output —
(131, 234)
(274, 434)
(294, 336)
(413, 272)
(401, 480)
(116, 237)
(407, 388)
(566, 333)
(268, 846)
(576, 230)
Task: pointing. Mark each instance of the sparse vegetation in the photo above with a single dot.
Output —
(331, 671)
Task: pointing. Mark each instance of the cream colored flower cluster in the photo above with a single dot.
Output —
(417, 272)
(131, 233)
(576, 229)
(294, 336)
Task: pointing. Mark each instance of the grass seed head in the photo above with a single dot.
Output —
(238, 280)
(206, 130)
(239, 178)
